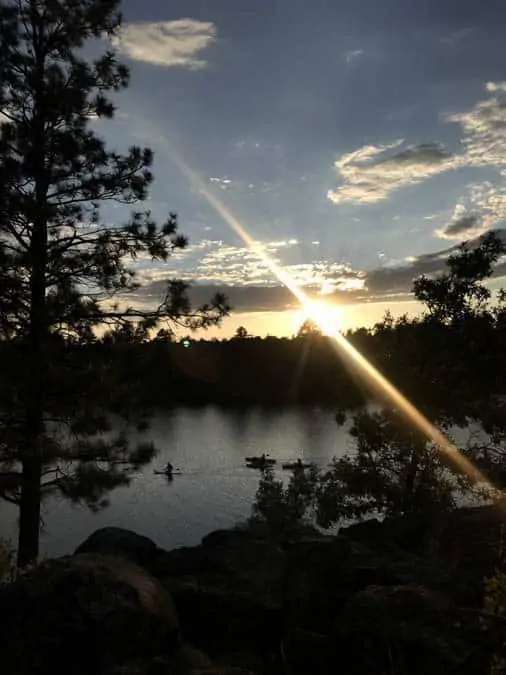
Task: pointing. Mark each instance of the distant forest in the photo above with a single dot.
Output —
(433, 363)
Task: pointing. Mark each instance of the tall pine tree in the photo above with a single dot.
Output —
(60, 265)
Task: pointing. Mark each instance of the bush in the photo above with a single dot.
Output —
(284, 508)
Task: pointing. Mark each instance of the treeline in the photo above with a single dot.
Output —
(427, 360)
(433, 363)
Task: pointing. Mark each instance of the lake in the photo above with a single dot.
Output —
(215, 491)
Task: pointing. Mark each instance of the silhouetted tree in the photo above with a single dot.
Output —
(461, 292)
(241, 333)
(451, 364)
(393, 471)
(281, 508)
(59, 264)
(309, 328)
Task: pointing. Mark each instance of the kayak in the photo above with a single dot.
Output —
(259, 463)
(166, 473)
(297, 465)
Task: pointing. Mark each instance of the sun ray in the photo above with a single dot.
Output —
(314, 309)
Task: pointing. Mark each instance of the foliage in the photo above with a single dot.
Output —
(309, 328)
(393, 471)
(283, 508)
(6, 561)
(61, 263)
(241, 333)
(494, 609)
(450, 364)
(461, 292)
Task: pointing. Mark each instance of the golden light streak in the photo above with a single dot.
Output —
(372, 375)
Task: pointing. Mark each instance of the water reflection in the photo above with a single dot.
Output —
(215, 489)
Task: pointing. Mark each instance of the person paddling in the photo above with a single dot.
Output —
(169, 469)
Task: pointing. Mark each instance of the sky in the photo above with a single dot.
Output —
(358, 141)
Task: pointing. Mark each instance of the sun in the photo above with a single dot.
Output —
(327, 317)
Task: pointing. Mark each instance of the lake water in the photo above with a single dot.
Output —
(215, 491)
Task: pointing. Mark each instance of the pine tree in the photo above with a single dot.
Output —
(60, 265)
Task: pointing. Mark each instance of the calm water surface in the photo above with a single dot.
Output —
(216, 489)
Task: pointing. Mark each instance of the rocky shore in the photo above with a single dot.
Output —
(403, 596)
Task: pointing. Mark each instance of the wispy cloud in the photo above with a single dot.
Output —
(340, 284)
(464, 225)
(483, 208)
(458, 36)
(381, 283)
(371, 173)
(353, 54)
(167, 43)
(220, 265)
(222, 182)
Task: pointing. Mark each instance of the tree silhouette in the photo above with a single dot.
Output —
(309, 328)
(461, 293)
(241, 333)
(60, 265)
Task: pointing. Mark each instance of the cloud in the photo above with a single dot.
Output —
(464, 226)
(485, 128)
(238, 272)
(217, 263)
(381, 283)
(353, 54)
(457, 36)
(224, 183)
(167, 43)
(254, 298)
(370, 174)
(341, 284)
(483, 208)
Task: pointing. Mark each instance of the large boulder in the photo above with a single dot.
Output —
(322, 576)
(228, 594)
(121, 542)
(85, 614)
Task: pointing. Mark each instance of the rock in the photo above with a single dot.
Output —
(321, 577)
(408, 533)
(228, 594)
(469, 543)
(382, 597)
(125, 543)
(83, 614)
(404, 629)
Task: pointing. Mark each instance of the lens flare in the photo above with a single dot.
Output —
(320, 314)
(327, 317)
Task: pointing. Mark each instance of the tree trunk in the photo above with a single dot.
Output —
(29, 512)
(35, 391)
(35, 383)
(32, 452)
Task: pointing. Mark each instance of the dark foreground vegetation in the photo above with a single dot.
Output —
(403, 596)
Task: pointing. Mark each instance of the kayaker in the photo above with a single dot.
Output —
(169, 469)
